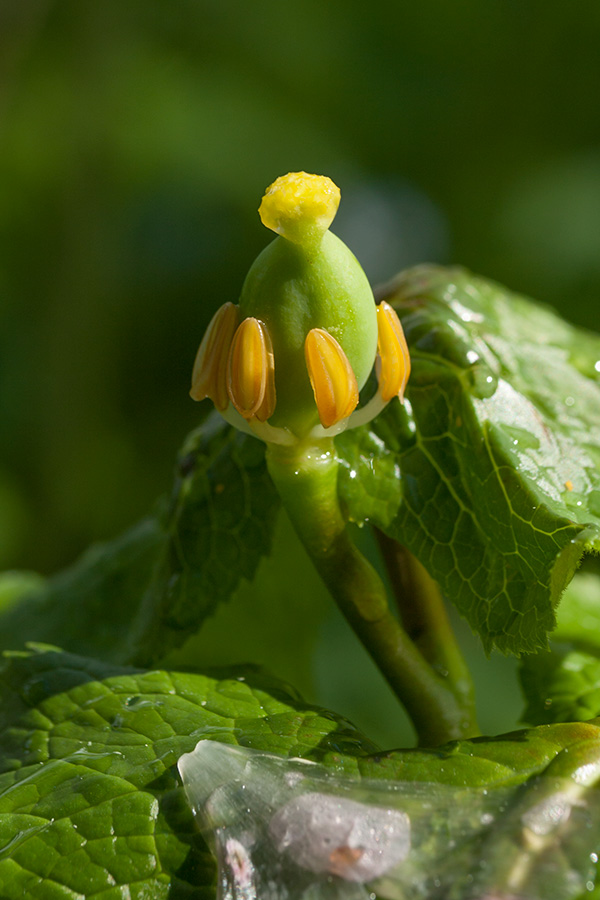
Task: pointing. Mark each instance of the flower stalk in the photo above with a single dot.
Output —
(287, 365)
(306, 480)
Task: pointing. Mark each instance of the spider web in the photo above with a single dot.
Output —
(289, 829)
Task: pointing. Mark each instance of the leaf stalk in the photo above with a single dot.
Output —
(425, 619)
(306, 478)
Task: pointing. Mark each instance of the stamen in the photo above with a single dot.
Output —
(209, 376)
(272, 435)
(267, 407)
(393, 353)
(267, 433)
(250, 377)
(331, 376)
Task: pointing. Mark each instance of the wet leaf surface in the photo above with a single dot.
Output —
(490, 475)
(90, 800)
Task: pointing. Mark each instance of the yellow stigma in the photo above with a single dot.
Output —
(251, 372)
(393, 353)
(331, 376)
(209, 377)
(300, 207)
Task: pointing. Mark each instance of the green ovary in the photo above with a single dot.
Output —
(292, 289)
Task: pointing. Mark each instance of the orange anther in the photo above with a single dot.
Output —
(331, 376)
(267, 407)
(393, 353)
(251, 371)
(209, 377)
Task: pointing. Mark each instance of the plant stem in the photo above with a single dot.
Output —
(306, 478)
(426, 621)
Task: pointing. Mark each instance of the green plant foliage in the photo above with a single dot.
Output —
(90, 802)
(220, 523)
(563, 685)
(161, 579)
(491, 474)
(89, 798)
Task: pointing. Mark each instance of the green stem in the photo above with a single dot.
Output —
(306, 478)
(426, 621)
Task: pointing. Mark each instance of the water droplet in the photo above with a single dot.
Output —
(594, 857)
(138, 702)
(597, 366)
(569, 401)
(484, 383)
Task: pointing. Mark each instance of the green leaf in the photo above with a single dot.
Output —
(221, 522)
(89, 795)
(90, 606)
(90, 800)
(490, 475)
(578, 616)
(135, 598)
(563, 685)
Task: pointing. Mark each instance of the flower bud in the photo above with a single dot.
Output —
(294, 355)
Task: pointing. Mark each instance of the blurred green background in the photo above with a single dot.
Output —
(136, 140)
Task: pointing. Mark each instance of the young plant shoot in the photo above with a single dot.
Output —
(484, 484)
(287, 365)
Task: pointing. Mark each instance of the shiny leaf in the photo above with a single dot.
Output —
(490, 473)
(90, 799)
